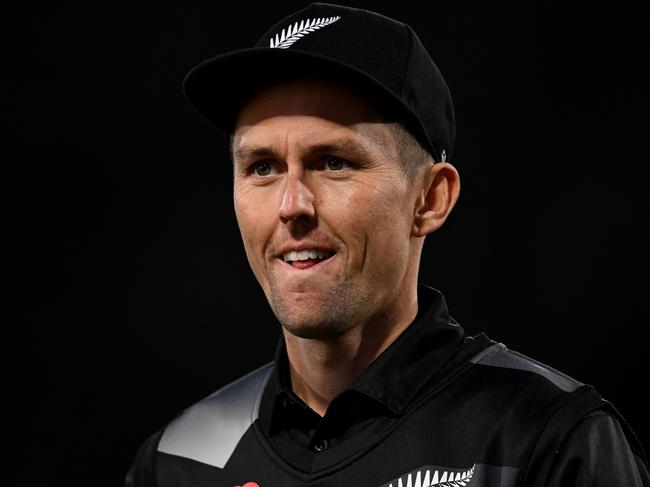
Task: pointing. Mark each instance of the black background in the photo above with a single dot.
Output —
(134, 292)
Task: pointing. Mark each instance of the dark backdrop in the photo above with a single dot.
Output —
(134, 292)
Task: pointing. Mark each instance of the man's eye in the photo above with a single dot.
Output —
(336, 164)
(261, 168)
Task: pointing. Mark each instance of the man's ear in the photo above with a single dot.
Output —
(438, 192)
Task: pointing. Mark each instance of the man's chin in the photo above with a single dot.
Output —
(315, 331)
(315, 315)
(311, 322)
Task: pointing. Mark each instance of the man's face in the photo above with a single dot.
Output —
(324, 209)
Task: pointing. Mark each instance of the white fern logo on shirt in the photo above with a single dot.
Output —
(296, 31)
(440, 478)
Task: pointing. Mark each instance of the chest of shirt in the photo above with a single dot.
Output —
(471, 432)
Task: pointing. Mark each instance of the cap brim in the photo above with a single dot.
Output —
(219, 86)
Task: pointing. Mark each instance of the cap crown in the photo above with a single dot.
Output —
(381, 53)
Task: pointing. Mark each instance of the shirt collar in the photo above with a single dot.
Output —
(395, 377)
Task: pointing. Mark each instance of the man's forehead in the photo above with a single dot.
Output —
(321, 109)
(361, 138)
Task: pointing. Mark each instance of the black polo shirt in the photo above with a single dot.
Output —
(370, 404)
(436, 408)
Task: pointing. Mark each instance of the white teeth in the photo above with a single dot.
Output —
(305, 254)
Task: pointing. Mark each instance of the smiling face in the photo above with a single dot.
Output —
(324, 210)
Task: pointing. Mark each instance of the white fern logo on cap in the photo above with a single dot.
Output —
(295, 32)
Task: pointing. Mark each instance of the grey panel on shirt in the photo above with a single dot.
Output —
(499, 356)
(210, 430)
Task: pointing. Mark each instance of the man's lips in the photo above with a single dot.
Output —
(306, 276)
(305, 254)
(306, 264)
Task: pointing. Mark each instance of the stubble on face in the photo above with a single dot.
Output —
(336, 311)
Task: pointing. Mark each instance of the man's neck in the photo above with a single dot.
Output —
(322, 369)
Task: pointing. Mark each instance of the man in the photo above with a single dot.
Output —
(340, 129)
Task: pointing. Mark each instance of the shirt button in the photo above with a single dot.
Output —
(321, 445)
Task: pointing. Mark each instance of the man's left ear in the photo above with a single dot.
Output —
(438, 192)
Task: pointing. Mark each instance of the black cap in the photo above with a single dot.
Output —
(381, 54)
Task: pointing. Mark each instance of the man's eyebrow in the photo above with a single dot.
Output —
(343, 146)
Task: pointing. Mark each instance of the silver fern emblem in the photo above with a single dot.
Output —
(440, 478)
(295, 32)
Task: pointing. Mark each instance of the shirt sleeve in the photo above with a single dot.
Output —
(143, 470)
(597, 453)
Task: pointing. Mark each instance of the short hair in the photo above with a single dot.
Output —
(410, 153)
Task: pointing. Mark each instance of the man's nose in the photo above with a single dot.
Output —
(297, 199)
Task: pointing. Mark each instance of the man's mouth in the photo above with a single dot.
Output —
(303, 259)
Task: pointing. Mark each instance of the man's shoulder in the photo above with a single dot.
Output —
(502, 382)
(507, 362)
(531, 393)
(562, 410)
(209, 430)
